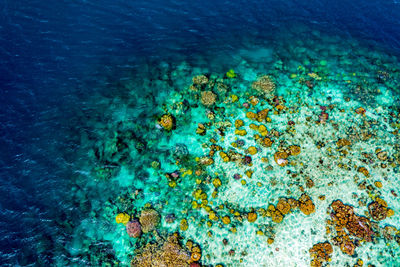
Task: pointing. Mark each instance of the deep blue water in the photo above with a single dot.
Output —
(53, 55)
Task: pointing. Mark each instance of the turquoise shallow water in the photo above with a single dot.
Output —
(92, 175)
(329, 96)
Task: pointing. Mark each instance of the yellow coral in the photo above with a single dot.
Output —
(240, 132)
(239, 123)
(234, 98)
(122, 218)
(184, 225)
(217, 182)
(226, 220)
(249, 173)
(212, 216)
(252, 150)
(251, 115)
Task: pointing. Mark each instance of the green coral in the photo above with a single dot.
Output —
(231, 74)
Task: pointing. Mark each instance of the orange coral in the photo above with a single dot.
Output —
(378, 209)
(306, 204)
(267, 142)
(275, 214)
(364, 171)
(360, 110)
(262, 115)
(252, 217)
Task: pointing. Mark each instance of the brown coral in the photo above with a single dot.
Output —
(149, 219)
(320, 253)
(343, 142)
(208, 98)
(378, 209)
(281, 158)
(264, 85)
(306, 204)
(274, 213)
(169, 253)
(283, 206)
(344, 218)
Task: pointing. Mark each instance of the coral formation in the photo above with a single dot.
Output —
(378, 209)
(306, 204)
(264, 85)
(252, 217)
(122, 218)
(294, 150)
(167, 121)
(200, 80)
(149, 219)
(208, 98)
(133, 228)
(281, 158)
(231, 74)
(283, 206)
(344, 218)
(168, 253)
(320, 253)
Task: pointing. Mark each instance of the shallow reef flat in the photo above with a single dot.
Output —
(289, 157)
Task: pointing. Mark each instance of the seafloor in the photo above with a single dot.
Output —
(288, 157)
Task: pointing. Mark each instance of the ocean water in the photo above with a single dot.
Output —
(85, 83)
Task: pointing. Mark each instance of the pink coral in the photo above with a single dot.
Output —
(133, 228)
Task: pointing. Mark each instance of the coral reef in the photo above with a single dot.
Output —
(168, 253)
(281, 158)
(231, 74)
